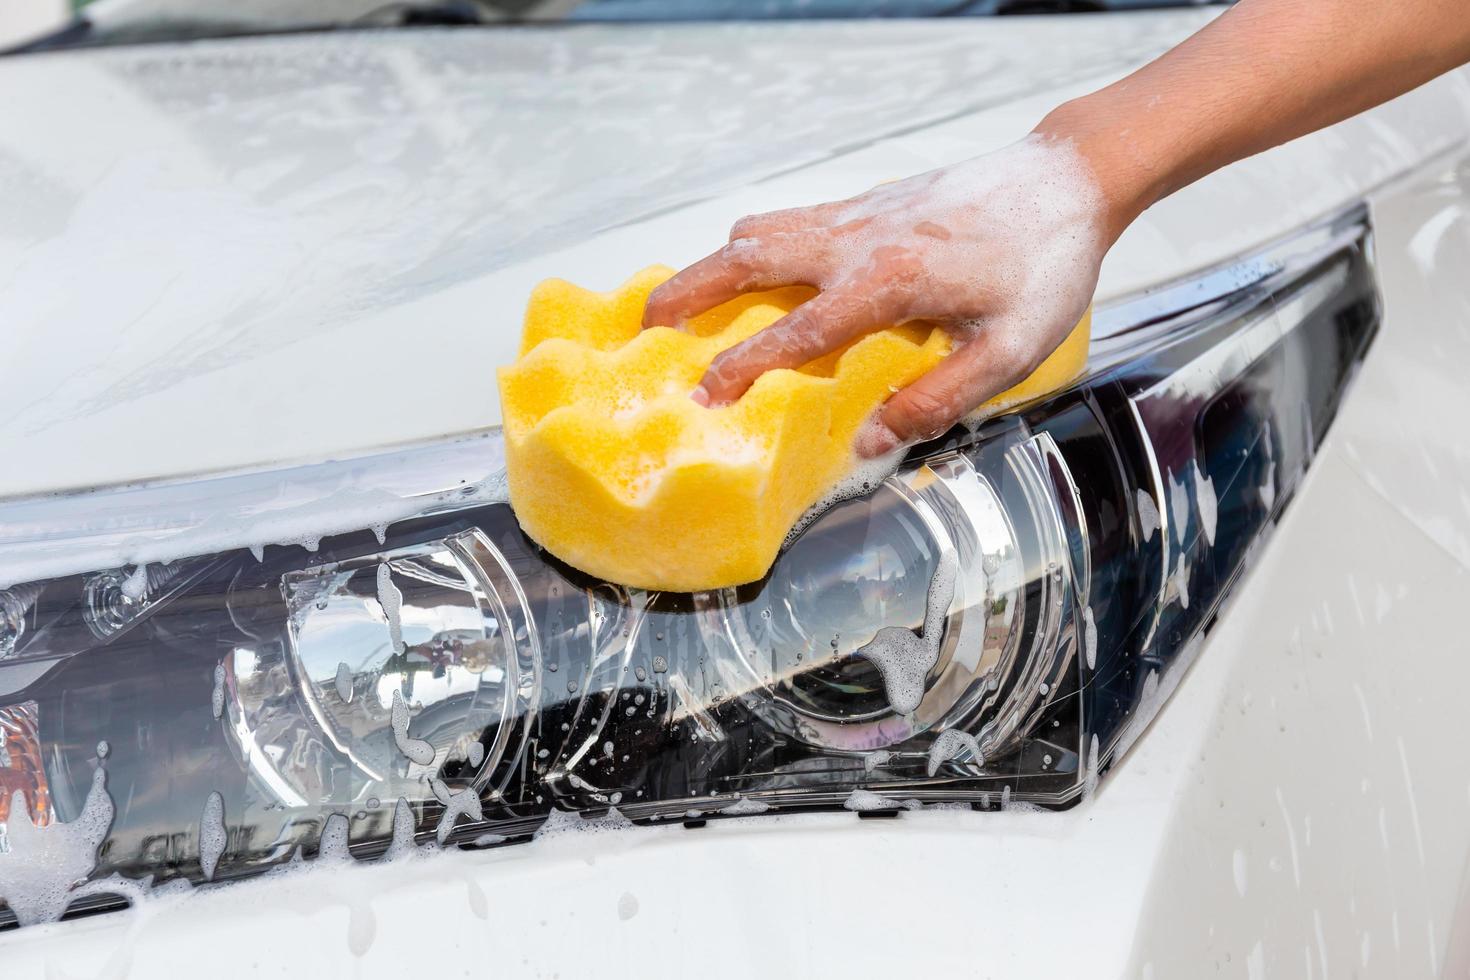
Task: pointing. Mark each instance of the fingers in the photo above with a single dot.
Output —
(788, 220)
(973, 374)
(817, 327)
(741, 266)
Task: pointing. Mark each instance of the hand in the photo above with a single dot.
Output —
(1001, 251)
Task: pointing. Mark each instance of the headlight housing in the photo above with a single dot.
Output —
(988, 625)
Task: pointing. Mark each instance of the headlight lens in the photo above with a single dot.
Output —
(983, 626)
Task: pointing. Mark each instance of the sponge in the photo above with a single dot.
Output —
(612, 468)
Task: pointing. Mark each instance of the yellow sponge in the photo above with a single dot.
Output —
(613, 469)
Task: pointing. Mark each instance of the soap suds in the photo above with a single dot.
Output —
(464, 803)
(1089, 638)
(45, 863)
(343, 682)
(560, 822)
(879, 757)
(415, 749)
(865, 801)
(950, 743)
(865, 477)
(392, 602)
(1148, 514)
(212, 836)
(745, 807)
(1206, 501)
(217, 695)
(135, 586)
(332, 845)
(402, 843)
(903, 659)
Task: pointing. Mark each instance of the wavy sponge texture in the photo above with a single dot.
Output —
(613, 469)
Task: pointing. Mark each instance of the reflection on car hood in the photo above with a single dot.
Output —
(229, 254)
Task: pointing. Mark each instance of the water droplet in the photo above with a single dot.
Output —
(660, 665)
(571, 687)
(640, 673)
(553, 667)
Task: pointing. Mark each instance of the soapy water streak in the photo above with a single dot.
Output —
(212, 836)
(905, 659)
(416, 750)
(391, 599)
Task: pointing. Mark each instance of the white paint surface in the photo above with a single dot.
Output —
(249, 253)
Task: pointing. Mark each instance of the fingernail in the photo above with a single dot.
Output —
(700, 396)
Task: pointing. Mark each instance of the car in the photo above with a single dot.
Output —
(285, 689)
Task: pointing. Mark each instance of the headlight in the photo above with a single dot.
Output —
(987, 625)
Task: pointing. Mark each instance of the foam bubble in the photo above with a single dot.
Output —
(561, 822)
(332, 844)
(745, 807)
(903, 659)
(1206, 501)
(217, 695)
(135, 586)
(415, 749)
(866, 801)
(873, 760)
(1089, 638)
(950, 743)
(464, 803)
(391, 599)
(45, 863)
(1148, 514)
(212, 835)
(864, 478)
(343, 682)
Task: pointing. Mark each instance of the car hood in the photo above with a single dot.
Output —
(234, 254)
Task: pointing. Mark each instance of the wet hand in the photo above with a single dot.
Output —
(1001, 251)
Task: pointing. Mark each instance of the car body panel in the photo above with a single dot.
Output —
(329, 239)
(1295, 808)
(1298, 808)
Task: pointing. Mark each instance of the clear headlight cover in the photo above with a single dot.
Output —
(988, 625)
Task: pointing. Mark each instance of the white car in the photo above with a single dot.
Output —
(279, 670)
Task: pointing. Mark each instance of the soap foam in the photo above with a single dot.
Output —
(950, 743)
(1148, 514)
(1089, 638)
(212, 836)
(864, 478)
(415, 749)
(391, 599)
(745, 807)
(1007, 244)
(45, 863)
(332, 846)
(866, 801)
(217, 695)
(904, 659)
(561, 822)
(343, 682)
(464, 803)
